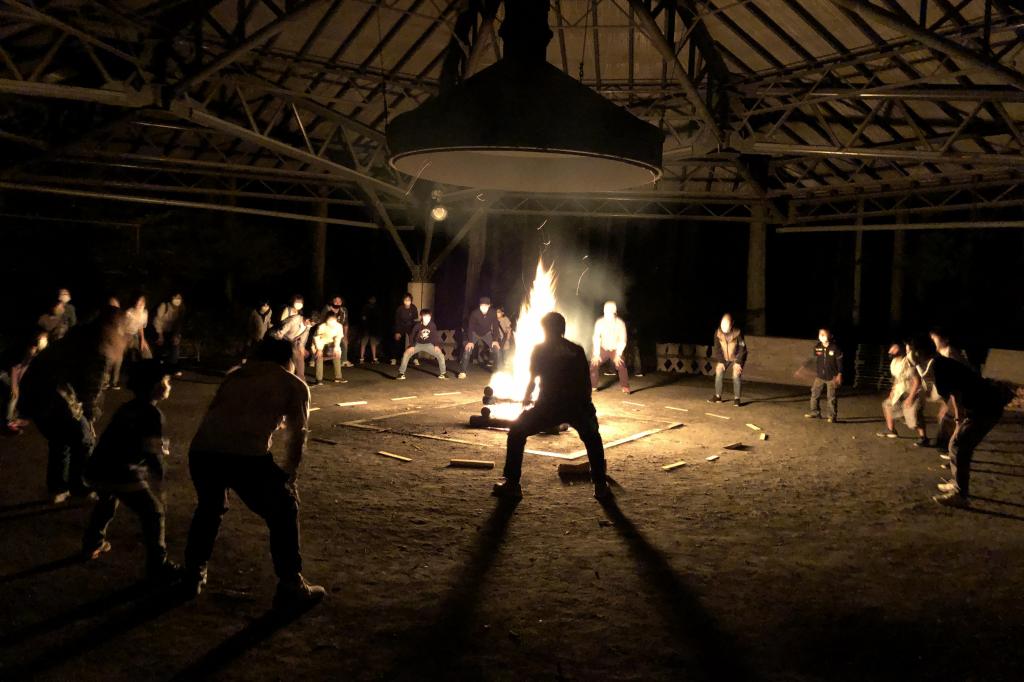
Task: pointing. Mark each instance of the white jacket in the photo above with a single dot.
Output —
(609, 335)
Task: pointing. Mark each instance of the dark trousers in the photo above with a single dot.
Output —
(150, 511)
(543, 417)
(70, 441)
(968, 435)
(608, 356)
(263, 487)
(480, 344)
(824, 386)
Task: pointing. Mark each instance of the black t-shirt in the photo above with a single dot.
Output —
(564, 373)
(972, 391)
(125, 452)
(426, 334)
(482, 325)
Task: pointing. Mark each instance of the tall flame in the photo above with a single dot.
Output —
(511, 385)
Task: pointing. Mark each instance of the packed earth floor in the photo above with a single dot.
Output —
(816, 554)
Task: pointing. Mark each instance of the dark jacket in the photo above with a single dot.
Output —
(731, 347)
(70, 371)
(828, 361)
(426, 334)
(340, 311)
(259, 324)
(564, 374)
(482, 325)
(370, 318)
(405, 318)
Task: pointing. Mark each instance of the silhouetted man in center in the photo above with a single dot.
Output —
(564, 375)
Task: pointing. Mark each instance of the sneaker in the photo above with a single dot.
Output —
(93, 553)
(178, 374)
(293, 596)
(362, 361)
(603, 491)
(115, 388)
(167, 573)
(314, 383)
(341, 381)
(921, 443)
(401, 377)
(952, 499)
(347, 364)
(60, 498)
(192, 581)
(626, 391)
(462, 375)
(442, 376)
(416, 362)
(947, 487)
(891, 433)
(944, 456)
(507, 490)
(639, 374)
(812, 415)
(716, 399)
(393, 362)
(737, 403)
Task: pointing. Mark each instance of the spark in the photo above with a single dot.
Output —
(585, 270)
(416, 179)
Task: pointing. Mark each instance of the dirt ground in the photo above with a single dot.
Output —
(815, 555)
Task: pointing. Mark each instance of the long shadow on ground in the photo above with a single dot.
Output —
(715, 653)
(433, 653)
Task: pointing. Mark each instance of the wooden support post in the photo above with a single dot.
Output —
(318, 266)
(756, 280)
(474, 264)
(858, 253)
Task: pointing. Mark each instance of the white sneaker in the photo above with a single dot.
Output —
(462, 375)
(416, 362)
(347, 364)
(394, 362)
(401, 377)
(947, 487)
(442, 376)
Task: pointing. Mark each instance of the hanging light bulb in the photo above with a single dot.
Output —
(438, 212)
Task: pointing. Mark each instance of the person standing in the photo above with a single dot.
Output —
(61, 392)
(976, 405)
(728, 350)
(481, 330)
(70, 314)
(337, 306)
(128, 467)
(406, 316)
(295, 330)
(944, 420)
(232, 451)
(505, 332)
(828, 358)
(370, 321)
(329, 337)
(260, 322)
(425, 339)
(564, 397)
(294, 307)
(609, 346)
(12, 368)
(136, 320)
(168, 325)
(906, 396)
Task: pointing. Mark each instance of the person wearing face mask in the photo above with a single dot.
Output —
(295, 330)
(406, 316)
(976, 405)
(168, 325)
(907, 396)
(329, 336)
(294, 307)
(337, 306)
(828, 358)
(609, 346)
(728, 350)
(70, 314)
(482, 330)
(425, 339)
(259, 324)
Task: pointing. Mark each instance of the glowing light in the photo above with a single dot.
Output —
(439, 213)
(510, 384)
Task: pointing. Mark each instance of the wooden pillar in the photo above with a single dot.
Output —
(896, 286)
(858, 253)
(475, 262)
(756, 267)
(318, 253)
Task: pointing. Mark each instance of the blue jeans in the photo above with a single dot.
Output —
(422, 348)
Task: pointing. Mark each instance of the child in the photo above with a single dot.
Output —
(828, 359)
(127, 466)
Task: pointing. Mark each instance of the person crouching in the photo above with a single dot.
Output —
(127, 467)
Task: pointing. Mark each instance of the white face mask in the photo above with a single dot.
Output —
(426, 320)
(610, 310)
(726, 326)
(823, 340)
(64, 298)
(484, 308)
(297, 305)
